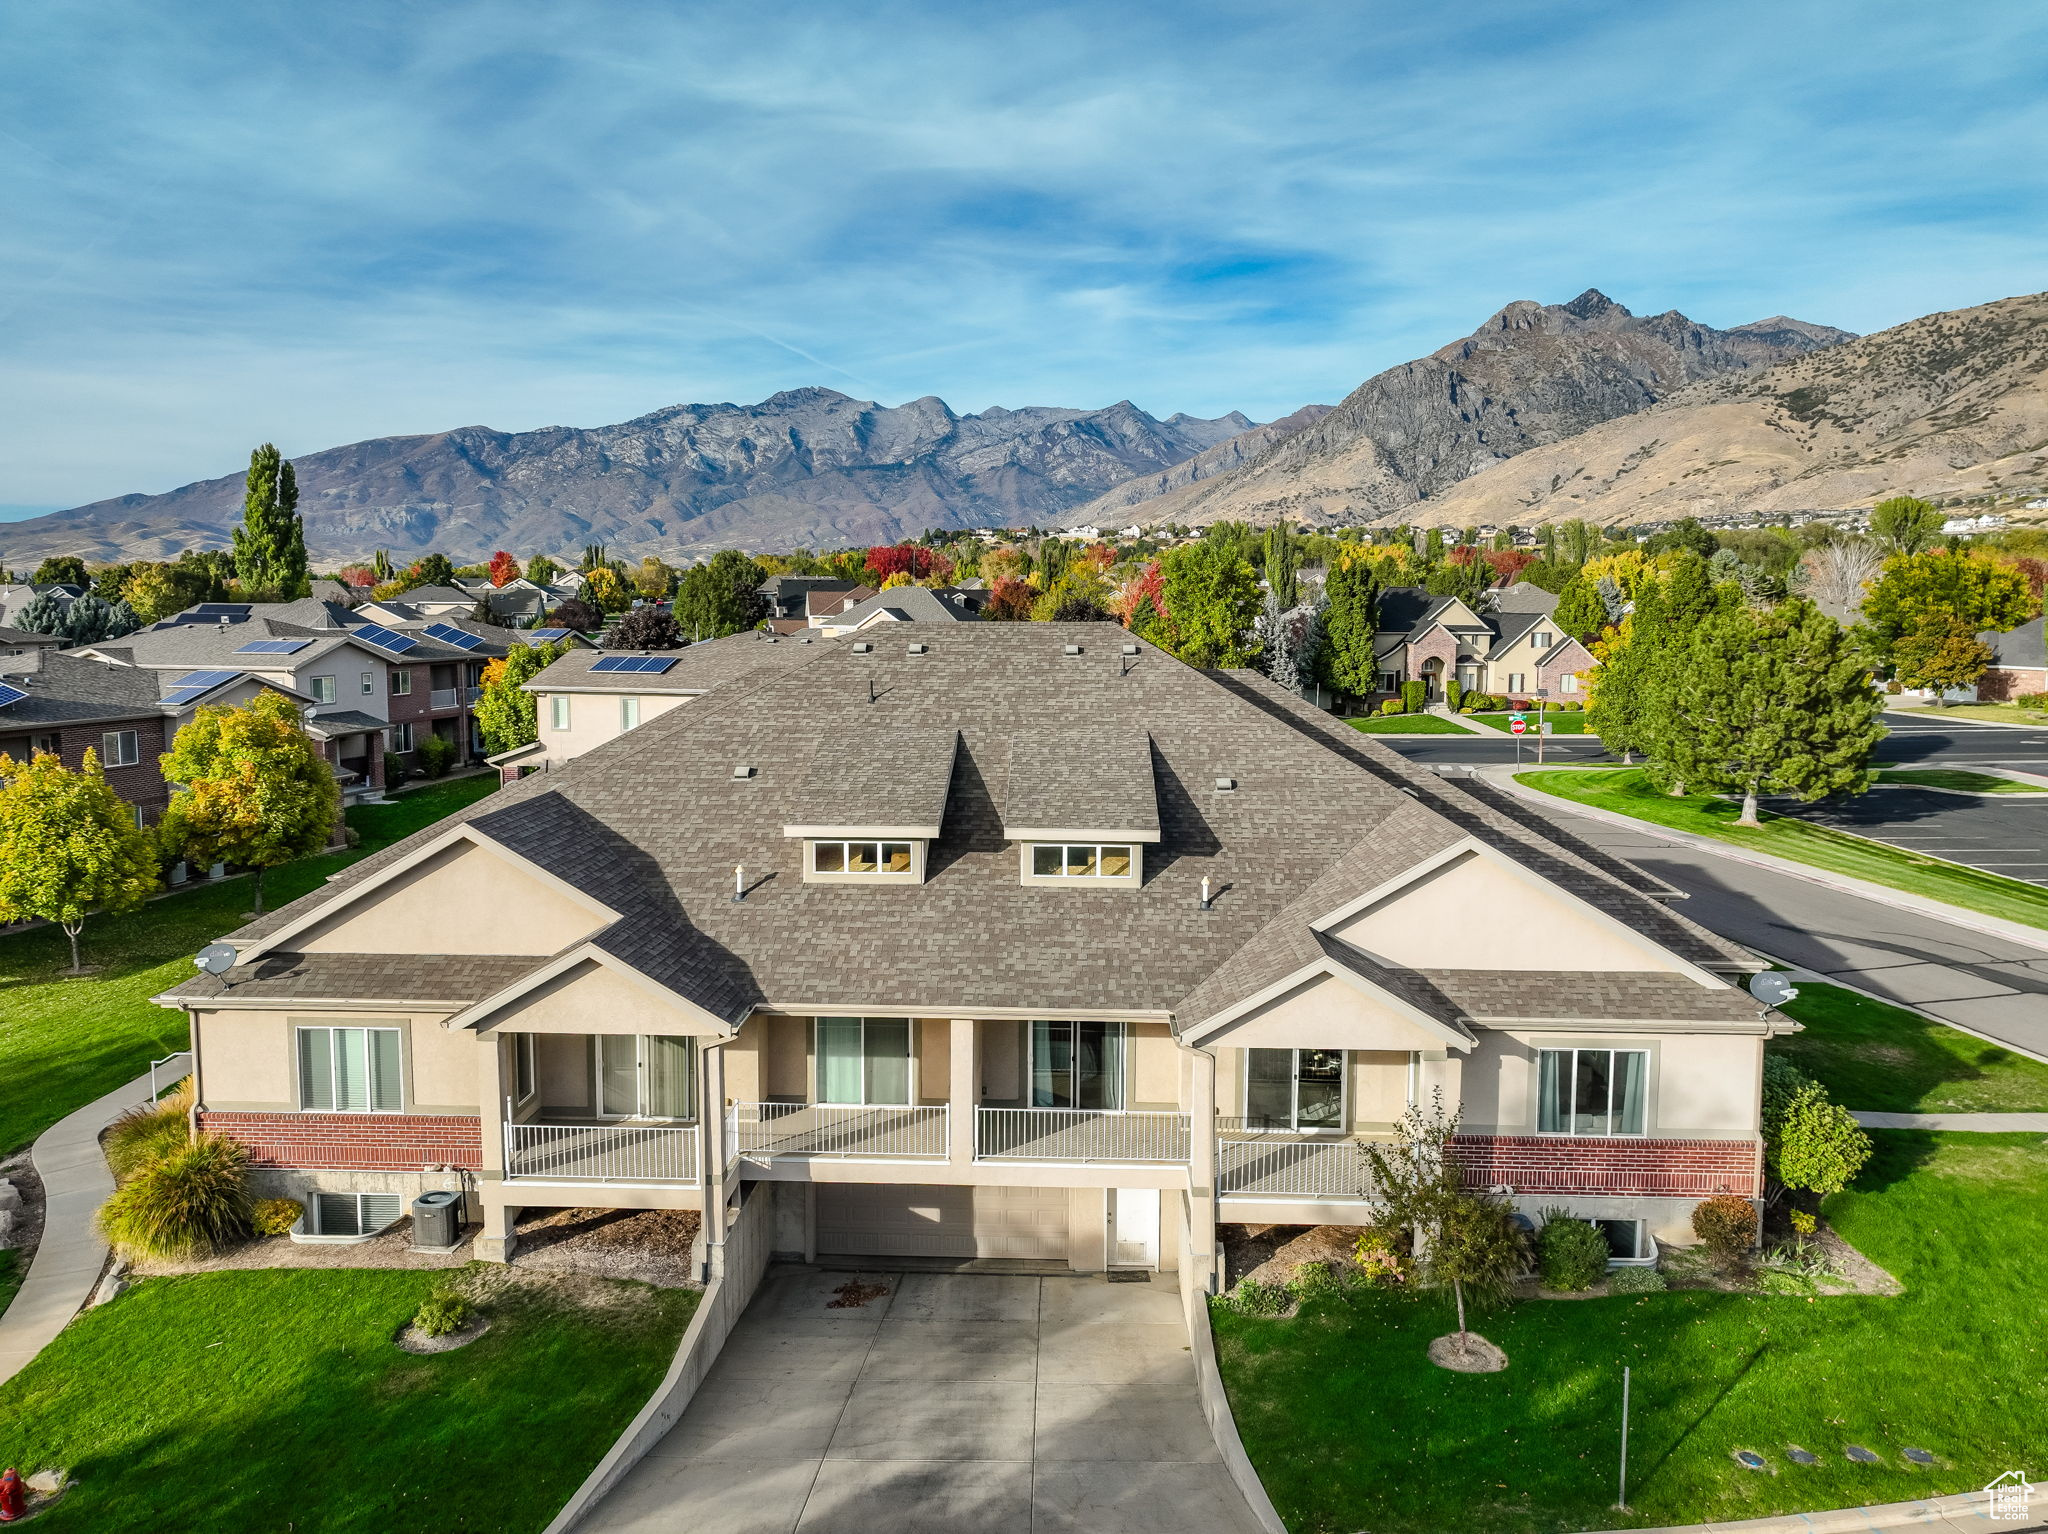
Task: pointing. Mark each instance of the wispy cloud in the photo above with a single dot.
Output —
(235, 222)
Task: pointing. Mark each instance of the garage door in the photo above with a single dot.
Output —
(898, 1220)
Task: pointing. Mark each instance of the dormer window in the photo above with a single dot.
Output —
(1083, 863)
(879, 858)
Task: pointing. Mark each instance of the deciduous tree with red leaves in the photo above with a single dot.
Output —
(1009, 600)
(926, 566)
(504, 568)
(1508, 564)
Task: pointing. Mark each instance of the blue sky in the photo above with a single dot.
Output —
(236, 222)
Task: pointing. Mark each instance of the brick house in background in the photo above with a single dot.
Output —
(2019, 664)
(1511, 646)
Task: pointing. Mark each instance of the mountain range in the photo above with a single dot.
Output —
(1532, 375)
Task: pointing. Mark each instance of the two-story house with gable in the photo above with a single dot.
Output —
(1514, 648)
(1001, 940)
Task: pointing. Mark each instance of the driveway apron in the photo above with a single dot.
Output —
(941, 1403)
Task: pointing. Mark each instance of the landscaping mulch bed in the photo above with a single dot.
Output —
(385, 1251)
(651, 1245)
(1269, 1254)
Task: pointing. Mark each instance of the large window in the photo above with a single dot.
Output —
(1080, 860)
(401, 736)
(349, 1070)
(644, 1076)
(558, 711)
(1077, 1065)
(860, 857)
(401, 681)
(322, 688)
(864, 1060)
(1294, 1089)
(119, 748)
(1592, 1091)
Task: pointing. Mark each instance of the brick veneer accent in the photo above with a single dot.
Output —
(1612, 1165)
(2001, 684)
(355, 1142)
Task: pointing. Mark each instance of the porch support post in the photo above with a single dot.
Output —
(495, 1241)
(711, 1115)
(1202, 1166)
(964, 1093)
(1443, 1070)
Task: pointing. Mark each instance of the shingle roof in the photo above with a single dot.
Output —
(906, 604)
(458, 978)
(69, 689)
(25, 637)
(2023, 646)
(698, 667)
(876, 779)
(1094, 780)
(1523, 597)
(653, 824)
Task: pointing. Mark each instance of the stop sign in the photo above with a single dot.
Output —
(1518, 726)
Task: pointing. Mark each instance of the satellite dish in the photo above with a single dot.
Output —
(1771, 988)
(216, 958)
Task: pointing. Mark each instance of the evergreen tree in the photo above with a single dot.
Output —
(1351, 620)
(1772, 701)
(90, 620)
(68, 846)
(1905, 524)
(270, 545)
(256, 790)
(1213, 599)
(44, 614)
(504, 710)
(1282, 561)
(542, 570)
(433, 570)
(1580, 612)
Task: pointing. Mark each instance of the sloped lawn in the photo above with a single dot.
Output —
(1351, 1427)
(1872, 1055)
(65, 1042)
(271, 1401)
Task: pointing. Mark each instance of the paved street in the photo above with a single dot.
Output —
(943, 1402)
(2007, 835)
(1993, 986)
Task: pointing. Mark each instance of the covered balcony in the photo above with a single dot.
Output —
(860, 1130)
(1259, 1163)
(595, 1152)
(1079, 1134)
(602, 1108)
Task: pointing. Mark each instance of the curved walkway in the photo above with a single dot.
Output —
(1975, 1123)
(71, 1255)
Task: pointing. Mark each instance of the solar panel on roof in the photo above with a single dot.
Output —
(384, 638)
(9, 693)
(448, 634)
(655, 663)
(272, 647)
(196, 684)
(550, 635)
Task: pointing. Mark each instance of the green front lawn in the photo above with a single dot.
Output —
(1406, 724)
(1628, 792)
(65, 1042)
(275, 1400)
(1955, 777)
(1560, 722)
(1997, 713)
(1872, 1055)
(1351, 1427)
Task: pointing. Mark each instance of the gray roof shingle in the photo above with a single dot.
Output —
(1093, 780)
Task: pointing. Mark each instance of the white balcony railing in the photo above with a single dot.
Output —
(837, 1129)
(603, 1152)
(1292, 1166)
(1078, 1134)
(445, 697)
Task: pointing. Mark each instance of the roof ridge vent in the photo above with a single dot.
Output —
(919, 648)
(1226, 785)
(863, 648)
(1072, 649)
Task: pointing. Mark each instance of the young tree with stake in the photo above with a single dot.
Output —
(69, 846)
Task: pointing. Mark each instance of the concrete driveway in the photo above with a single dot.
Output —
(949, 1403)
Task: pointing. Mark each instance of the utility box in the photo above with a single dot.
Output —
(436, 1221)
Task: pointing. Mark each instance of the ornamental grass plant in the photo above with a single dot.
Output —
(189, 1203)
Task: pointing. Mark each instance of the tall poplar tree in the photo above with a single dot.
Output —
(270, 545)
(1349, 625)
(1774, 701)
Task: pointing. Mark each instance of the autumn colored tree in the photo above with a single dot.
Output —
(1941, 653)
(504, 568)
(504, 709)
(924, 565)
(646, 628)
(1969, 588)
(69, 846)
(355, 575)
(577, 615)
(254, 790)
(1509, 563)
(603, 589)
(1009, 601)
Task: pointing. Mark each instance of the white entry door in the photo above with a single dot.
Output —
(1134, 1228)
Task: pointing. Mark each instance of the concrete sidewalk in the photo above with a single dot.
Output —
(69, 1260)
(1977, 1123)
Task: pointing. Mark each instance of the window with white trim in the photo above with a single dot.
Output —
(1294, 1089)
(1570, 683)
(44, 745)
(401, 681)
(119, 748)
(861, 858)
(558, 711)
(401, 736)
(863, 1060)
(525, 1076)
(1542, 640)
(1080, 860)
(352, 1214)
(349, 1070)
(629, 713)
(1627, 1241)
(369, 683)
(322, 688)
(1515, 680)
(1592, 1091)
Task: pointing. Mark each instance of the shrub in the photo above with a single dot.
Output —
(275, 1216)
(144, 1135)
(442, 1312)
(1573, 706)
(189, 1203)
(1252, 1298)
(1571, 1252)
(2032, 700)
(1810, 1141)
(1636, 1281)
(436, 753)
(1727, 1225)
(394, 769)
(1393, 706)
(1803, 1223)
(1481, 701)
(1468, 711)
(1317, 1281)
(1415, 695)
(1381, 1264)
(1454, 693)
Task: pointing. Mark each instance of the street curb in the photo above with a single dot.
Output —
(1969, 1510)
(1970, 724)
(1882, 894)
(1799, 974)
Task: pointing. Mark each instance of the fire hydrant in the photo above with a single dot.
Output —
(13, 1496)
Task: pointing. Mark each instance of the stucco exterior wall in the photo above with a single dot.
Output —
(464, 899)
(1702, 1086)
(593, 719)
(248, 1059)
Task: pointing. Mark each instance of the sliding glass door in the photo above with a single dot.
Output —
(644, 1076)
(1294, 1089)
(1077, 1065)
(864, 1060)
